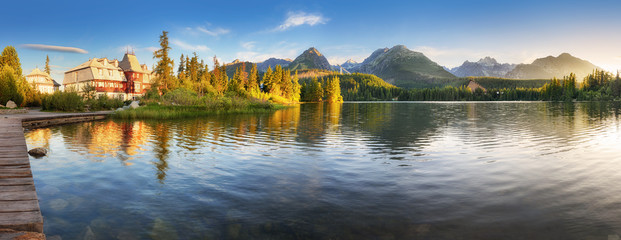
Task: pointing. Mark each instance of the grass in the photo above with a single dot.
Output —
(154, 111)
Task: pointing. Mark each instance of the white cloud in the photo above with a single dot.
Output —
(295, 19)
(189, 47)
(211, 32)
(43, 47)
(248, 45)
(134, 48)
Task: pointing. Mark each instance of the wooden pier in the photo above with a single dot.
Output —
(19, 206)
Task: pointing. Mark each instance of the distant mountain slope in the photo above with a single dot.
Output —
(350, 64)
(403, 67)
(310, 59)
(549, 67)
(485, 67)
(232, 67)
(262, 66)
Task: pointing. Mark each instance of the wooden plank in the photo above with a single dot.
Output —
(15, 182)
(17, 188)
(14, 161)
(22, 221)
(18, 196)
(19, 206)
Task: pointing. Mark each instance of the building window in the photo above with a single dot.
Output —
(110, 73)
(101, 72)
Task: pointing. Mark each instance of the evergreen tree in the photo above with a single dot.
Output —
(333, 90)
(47, 65)
(253, 83)
(268, 81)
(193, 68)
(164, 66)
(219, 80)
(315, 91)
(181, 70)
(297, 89)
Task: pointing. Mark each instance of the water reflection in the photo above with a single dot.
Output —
(350, 170)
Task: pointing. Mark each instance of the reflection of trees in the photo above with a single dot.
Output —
(39, 137)
(161, 134)
(102, 139)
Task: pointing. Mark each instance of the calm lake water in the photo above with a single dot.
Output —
(510, 170)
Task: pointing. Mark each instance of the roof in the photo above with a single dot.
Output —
(56, 84)
(38, 72)
(96, 62)
(130, 64)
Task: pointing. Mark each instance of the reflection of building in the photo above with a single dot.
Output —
(42, 82)
(124, 79)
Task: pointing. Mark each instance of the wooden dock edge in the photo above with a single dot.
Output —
(41, 122)
(19, 205)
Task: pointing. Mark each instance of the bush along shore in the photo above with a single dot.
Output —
(183, 103)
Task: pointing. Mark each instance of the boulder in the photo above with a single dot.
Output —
(119, 109)
(134, 104)
(11, 104)
(38, 152)
(1, 106)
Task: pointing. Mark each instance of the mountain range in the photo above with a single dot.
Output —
(310, 59)
(405, 68)
(549, 67)
(485, 67)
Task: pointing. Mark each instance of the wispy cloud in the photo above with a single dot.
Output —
(43, 47)
(295, 19)
(248, 45)
(151, 49)
(189, 47)
(211, 32)
(128, 47)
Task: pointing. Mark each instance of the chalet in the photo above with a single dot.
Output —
(125, 79)
(42, 82)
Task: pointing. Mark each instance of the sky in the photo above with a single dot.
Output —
(449, 32)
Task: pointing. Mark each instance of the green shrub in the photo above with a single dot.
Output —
(63, 101)
(181, 96)
(103, 102)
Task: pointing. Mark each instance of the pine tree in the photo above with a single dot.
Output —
(315, 91)
(164, 65)
(47, 65)
(219, 80)
(333, 91)
(297, 89)
(181, 70)
(253, 83)
(268, 82)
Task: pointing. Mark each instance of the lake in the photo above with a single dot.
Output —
(387, 170)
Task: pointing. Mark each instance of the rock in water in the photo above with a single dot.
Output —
(38, 152)
(11, 104)
(134, 104)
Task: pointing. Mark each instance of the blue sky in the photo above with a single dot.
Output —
(447, 31)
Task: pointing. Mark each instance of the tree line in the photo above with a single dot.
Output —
(277, 84)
